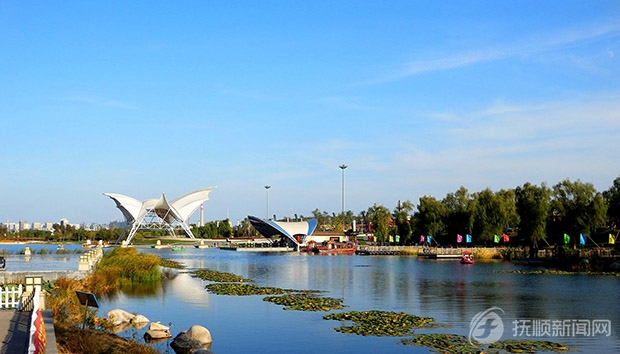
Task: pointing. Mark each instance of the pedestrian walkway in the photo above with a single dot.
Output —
(14, 329)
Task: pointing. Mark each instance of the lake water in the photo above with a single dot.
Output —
(443, 289)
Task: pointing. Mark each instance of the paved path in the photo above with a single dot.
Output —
(14, 326)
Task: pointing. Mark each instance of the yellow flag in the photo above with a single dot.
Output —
(612, 239)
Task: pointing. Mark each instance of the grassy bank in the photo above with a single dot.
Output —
(118, 268)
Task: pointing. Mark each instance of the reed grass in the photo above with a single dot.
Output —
(410, 251)
(487, 253)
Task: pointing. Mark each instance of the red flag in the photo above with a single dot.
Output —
(506, 238)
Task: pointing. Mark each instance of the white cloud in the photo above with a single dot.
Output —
(520, 48)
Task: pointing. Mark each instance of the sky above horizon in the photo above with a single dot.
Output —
(415, 97)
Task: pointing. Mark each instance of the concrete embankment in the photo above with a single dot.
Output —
(14, 277)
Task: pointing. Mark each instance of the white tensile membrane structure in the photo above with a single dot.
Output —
(159, 214)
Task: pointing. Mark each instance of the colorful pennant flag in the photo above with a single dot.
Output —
(421, 238)
(566, 239)
(612, 239)
(496, 239)
(506, 238)
(468, 237)
(582, 239)
(459, 238)
(429, 238)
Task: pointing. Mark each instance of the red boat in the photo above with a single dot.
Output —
(467, 258)
(330, 247)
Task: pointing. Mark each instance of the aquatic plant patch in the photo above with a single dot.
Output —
(169, 263)
(527, 346)
(243, 289)
(459, 344)
(442, 343)
(306, 301)
(216, 276)
(379, 323)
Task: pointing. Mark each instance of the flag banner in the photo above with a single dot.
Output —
(459, 238)
(468, 238)
(506, 238)
(421, 238)
(612, 239)
(496, 239)
(397, 238)
(391, 238)
(429, 238)
(566, 239)
(582, 239)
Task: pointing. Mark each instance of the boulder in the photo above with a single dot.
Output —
(183, 344)
(118, 316)
(152, 334)
(139, 319)
(200, 334)
(157, 326)
(157, 331)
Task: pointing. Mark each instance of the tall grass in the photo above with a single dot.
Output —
(127, 265)
(118, 267)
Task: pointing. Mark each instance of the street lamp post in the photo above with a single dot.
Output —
(343, 167)
(267, 215)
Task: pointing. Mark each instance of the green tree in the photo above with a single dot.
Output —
(379, 216)
(429, 219)
(577, 208)
(612, 198)
(459, 213)
(493, 213)
(323, 219)
(401, 220)
(533, 206)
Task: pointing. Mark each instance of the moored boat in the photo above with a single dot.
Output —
(330, 248)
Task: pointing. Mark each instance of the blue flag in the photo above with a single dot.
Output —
(582, 239)
(468, 236)
(429, 238)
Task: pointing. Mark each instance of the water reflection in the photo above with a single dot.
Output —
(445, 290)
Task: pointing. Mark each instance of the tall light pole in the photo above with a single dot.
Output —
(343, 167)
(267, 215)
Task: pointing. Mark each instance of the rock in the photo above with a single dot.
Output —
(118, 316)
(183, 344)
(157, 326)
(200, 334)
(138, 319)
(154, 334)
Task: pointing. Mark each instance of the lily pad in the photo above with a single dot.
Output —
(379, 323)
(306, 301)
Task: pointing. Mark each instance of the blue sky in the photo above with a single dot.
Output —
(416, 97)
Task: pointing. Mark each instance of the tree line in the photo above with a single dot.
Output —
(531, 215)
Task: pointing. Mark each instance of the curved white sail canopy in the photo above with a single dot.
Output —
(159, 213)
